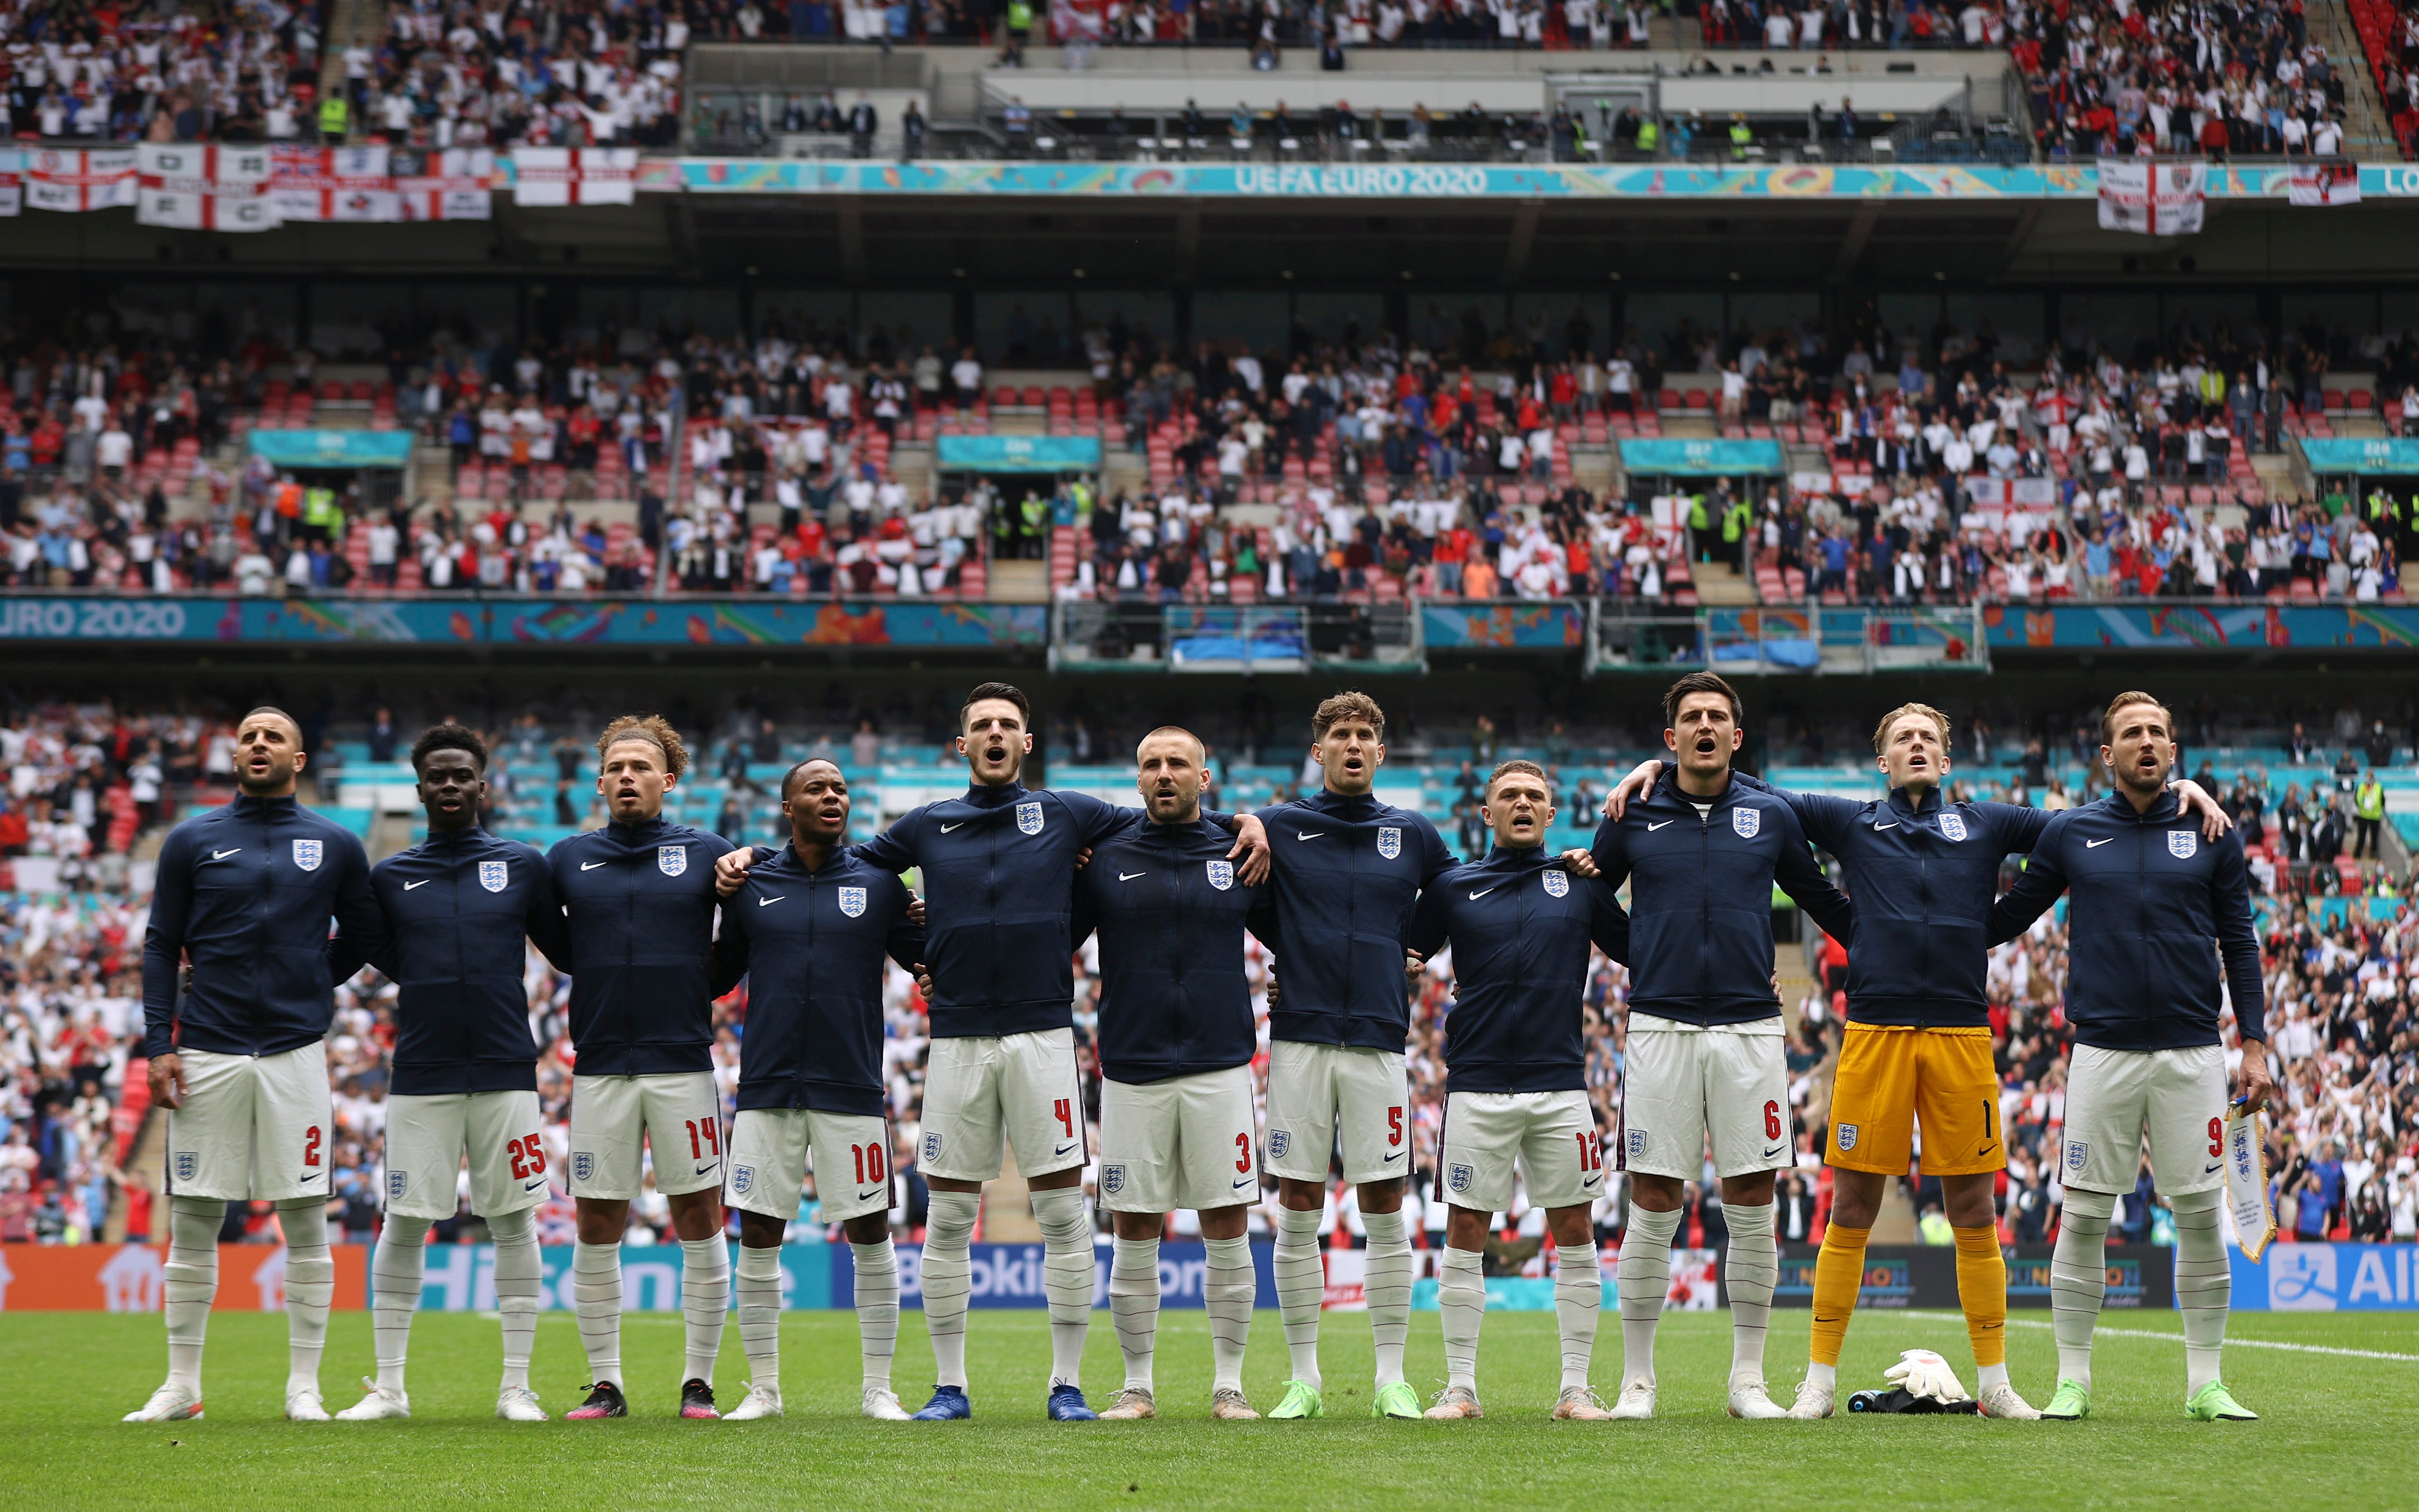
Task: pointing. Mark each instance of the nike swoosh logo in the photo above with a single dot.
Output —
(1892, 824)
(1395, 1156)
(1063, 1148)
(1129, 876)
(531, 1186)
(1774, 1151)
(1988, 1147)
(308, 1176)
(1308, 834)
(2214, 1169)
(707, 1166)
(1652, 828)
(220, 856)
(421, 882)
(590, 866)
(2095, 845)
(870, 1195)
(1480, 893)
(1242, 1182)
(1590, 1181)
(767, 903)
(959, 825)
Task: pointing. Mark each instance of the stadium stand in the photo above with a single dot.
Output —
(91, 789)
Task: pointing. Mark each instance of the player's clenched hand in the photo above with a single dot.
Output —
(924, 980)
(2253, 1086)
(2191, 797)
(916, 910)
(1641, 779)
(1251, 848)
(168, 1080)
(730, 873)
(1414, 965)
(1273, 989)
(1083, 858)
(1580, 863)
(1776, 986)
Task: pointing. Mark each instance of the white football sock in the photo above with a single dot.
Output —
(1068, 1269)
(2078, 1279)
(396, 1269)
(2204, 1285)
(757, 1279)
(1387, 1284)
(191, 1282)
(1750, 1270)
(1461, 1305)
(705, 1304)
(596, 1298)
(310, 1288)
(877, 1308)
(946, 1277)
(520, 1282)
(1133, 1305)
(1643, 1278)
(1579, 1298)
(1229, 1288)
(1301, 1289)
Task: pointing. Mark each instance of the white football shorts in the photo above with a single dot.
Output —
(769, 1156)
(252, 1126)
(1682, 1082)
(986, 1093)
(2111, 1095)
(1183, 1142)
(426, 1138)
(1552, 1135)
(1318, 1091)
(679, 1114)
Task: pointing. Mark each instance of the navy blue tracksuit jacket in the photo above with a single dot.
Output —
(2148, 895)
(1521, 926)
(998, 869)
(1701, 908)
(1922, 879)
(454, 910)
(1171, 915)
(640, 903)
(810, 945)
(246, 891)
(1348, 873)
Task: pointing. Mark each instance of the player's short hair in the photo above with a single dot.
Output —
(655, 731)
(1198, 744)
(1343, 706)
(449, 736)
(1009, 691)
(270, 708)
(1517, 767)
(2108, 714)
(1701, 682)
(1881, 731)
(790, 778)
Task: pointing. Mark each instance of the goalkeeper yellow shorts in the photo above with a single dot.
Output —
(1891, 1077)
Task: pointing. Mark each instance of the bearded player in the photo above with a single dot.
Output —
(2145, 897)
(244, 895)
(640, 894)
(459, 910)
(809, 931)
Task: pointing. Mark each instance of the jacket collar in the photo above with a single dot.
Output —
(641, 833)
(838, 861)
(1929, 805)
(458, 840)
(249, 805)
(1671, 787)
(1180, 833)
(2164, 808)
(982, 796)
(1508, 858)
(1327, 801)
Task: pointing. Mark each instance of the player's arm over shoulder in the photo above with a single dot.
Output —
(2043, 880)
(894, 848)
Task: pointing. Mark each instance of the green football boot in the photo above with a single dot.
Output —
(1301, 1400)
(1397, 1400)
(2070, 1402)
(2214, 1403)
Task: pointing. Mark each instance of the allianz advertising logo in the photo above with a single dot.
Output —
(2324, 1278)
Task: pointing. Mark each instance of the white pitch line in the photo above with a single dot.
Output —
(2179, 1338)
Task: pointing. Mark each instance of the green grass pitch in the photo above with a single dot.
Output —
(2338, 1430)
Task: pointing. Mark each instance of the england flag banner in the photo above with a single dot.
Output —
(2152, 199)
(575, 175)
(2328, 181)
(453, 185)
(335, 184)
(200, 187)
(72, 180)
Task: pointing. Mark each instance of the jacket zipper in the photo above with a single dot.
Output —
(1705, 894)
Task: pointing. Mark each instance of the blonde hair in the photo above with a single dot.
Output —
(1336, 710)
(652, 729)
(1881, 731)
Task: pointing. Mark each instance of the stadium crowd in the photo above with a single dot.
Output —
(87, 785)
(156, 71)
